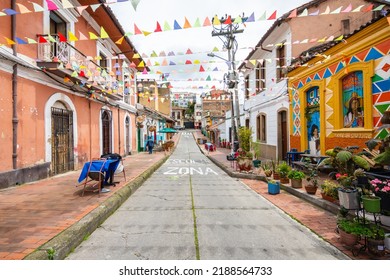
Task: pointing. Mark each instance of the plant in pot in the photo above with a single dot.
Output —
(349, 196)
(267, 168)
(245, 157)
(329, 191)
(256, 153)
(375, 239)
(275, 171)
(296, 178)
(381, 188)
(350, 231)
(283, 169)
(312, 179)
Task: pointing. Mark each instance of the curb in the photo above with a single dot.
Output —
(66, 241)
(334, 209)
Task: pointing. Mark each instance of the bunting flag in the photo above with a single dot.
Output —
(81, 9)
(337, 11)
(10, 12)
(316, 13)
(293, 14)
(120, 41)
(304, 13)
(72, 37)
(51, 6)
(207, 22)
(136, 55)
(186, 23)
(251, 18)
(263, 17)
(51, 39)
(216, 20)
(166, 26)
(103, 33)
(358, 9)
(66, 4)
(176, 25)
(158, 28)
(21, 41)
(273, 16)
(62, 37)
(94, 7)
(92, 36)
(135, 3)
(327, 11)
(238, 20)
(41, 39)
(141, 64)
(82, 36)
(197, 23)
(146, 33)
(348, 9)
(136, 30)
(31, 41)
(23, 9)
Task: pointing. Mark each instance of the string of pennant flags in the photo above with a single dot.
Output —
(51, 6)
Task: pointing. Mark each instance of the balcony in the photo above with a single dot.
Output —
(78, 71)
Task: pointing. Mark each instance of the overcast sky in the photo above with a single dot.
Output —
(197, 39)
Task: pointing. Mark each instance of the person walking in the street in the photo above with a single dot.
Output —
(150, 145)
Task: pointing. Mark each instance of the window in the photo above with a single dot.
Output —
(352, 98)
(345, 27)
(260, 76)
(281, 61)
(57, 24)
(247, 87)
(103, 61)
(261, 128)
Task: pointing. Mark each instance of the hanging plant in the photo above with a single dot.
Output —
(309, 110)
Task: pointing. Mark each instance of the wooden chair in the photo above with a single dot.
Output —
(94, 177)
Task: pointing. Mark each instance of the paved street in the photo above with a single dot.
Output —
(190, 209)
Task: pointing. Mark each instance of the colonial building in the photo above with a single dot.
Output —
(266, 97)
(340, 91)
(68, 90)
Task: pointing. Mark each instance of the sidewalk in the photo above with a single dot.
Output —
(51, 212)
(318, 215)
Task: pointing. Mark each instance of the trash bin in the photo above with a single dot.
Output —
(235, 146)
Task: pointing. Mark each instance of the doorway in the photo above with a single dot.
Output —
(62, 139)
(106, 132)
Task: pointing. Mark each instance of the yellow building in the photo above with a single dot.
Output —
(338, 92)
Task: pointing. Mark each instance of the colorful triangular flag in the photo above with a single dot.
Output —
(62, 37)
(176, 25)
(273, 16)
(23, 9)
(93, 36)
(72, 37)
(51, 6)
(158, 28)
(166, 26)
(206, 22)
(103, 33)
(137, 31)
(186, 23)
(216, 20)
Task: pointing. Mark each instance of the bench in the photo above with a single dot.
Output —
(303, 165)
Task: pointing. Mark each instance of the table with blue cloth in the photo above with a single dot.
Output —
(108, 167)
(293, 156)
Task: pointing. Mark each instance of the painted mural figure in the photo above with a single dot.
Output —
(354, 116)
(314, 143)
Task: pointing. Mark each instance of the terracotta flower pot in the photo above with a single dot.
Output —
(348, 238)
(310, 189)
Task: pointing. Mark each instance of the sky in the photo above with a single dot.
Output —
(190, 77)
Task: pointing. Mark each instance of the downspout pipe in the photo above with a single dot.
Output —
(15, 119)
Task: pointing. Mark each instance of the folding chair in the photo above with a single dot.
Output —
(95, 177)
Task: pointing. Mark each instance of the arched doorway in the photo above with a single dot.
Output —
(106, 131)
(62, 158)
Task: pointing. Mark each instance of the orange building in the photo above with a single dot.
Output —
(68, 91)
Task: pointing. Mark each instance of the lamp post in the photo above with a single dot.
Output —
(226, 32)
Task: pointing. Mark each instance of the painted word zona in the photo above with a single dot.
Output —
(189, 170)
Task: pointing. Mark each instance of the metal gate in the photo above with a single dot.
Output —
(62, 140)
(106, 130)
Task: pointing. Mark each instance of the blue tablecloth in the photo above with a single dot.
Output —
(109, 168)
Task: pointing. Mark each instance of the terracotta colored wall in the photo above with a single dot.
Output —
(33, 20)
(295, 142)
(6, 121)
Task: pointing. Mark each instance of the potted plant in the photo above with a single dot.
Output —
(375, 239)
(371, 203)
(245, 157)
(312, 179)
(361, 178)
(381, 188)
(296, 178)
(266, 166)
(273, 187)
(275, 171)
(329, 191)
(256, 153)
(283, 169)
(350, 231)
